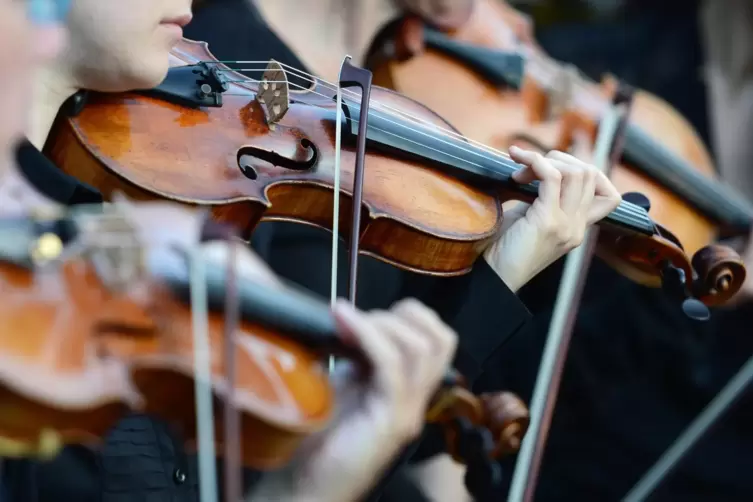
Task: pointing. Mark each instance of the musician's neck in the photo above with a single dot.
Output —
(350, 28)
(50, 90)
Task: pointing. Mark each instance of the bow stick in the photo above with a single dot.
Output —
(350, 76)
(203, 373)
(607, 149)
(710, 416)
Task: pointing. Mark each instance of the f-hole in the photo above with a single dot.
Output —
(306, 157)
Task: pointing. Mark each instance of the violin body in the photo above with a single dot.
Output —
(54, 386)
(529, 117)
(281, 390)
(78, 353)
(92, 335)
(225, 158)
(432, 200)
(505, 117)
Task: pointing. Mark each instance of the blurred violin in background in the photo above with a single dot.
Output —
(492, 81)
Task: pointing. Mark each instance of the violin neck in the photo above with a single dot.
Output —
(468, 162)
(716, 200)
(719, 202)
(500, 68)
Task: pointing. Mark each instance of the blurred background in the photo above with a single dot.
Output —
(653, 45)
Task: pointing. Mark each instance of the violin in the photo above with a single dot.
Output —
(250, 149)
(103, 300)
(496, 85)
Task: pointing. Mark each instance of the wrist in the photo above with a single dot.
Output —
(510, 275)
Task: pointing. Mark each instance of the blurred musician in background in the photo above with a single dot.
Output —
(638, 371)
(727, 35)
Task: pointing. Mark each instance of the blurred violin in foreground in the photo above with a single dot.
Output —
(96, 320)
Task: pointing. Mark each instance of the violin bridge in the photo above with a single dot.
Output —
(563, 90)
(111, 244)
(274, 93)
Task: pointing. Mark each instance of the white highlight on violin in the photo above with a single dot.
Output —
(336, 202)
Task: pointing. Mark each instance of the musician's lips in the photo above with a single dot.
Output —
(177, 23)
(181, 21)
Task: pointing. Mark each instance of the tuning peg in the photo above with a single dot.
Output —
(694, 309)
(674, 284)
(638, 199)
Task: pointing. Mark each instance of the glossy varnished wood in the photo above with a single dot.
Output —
(52, 373)
(414, 217)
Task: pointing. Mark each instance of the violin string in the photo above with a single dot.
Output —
(423, 123)
(394, 111)
(549, 65)
(389, 110)
(554, 67)
(634, 213)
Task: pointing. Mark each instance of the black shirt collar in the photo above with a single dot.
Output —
(50, 180)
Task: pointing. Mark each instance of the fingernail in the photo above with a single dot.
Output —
(514, 149)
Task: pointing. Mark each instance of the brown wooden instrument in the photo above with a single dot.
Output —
(431, 198)
(492, 81)
(96, 322)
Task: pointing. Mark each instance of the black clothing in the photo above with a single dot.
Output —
(638, 372)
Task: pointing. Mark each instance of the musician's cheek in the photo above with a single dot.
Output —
(124, 45)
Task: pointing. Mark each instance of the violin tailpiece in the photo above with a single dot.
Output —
(111, 244)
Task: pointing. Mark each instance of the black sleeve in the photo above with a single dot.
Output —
(17, 481)
(478, 306)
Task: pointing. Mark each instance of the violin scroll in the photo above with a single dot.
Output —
(508, 419)
(502, 416)
(720, 274)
